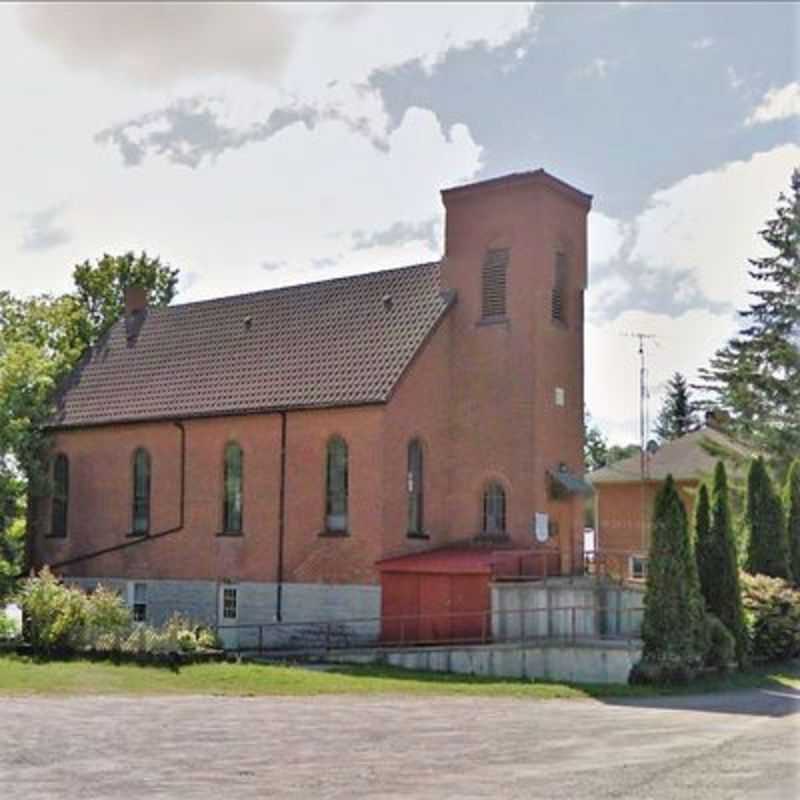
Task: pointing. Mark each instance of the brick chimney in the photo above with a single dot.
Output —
(135, 300)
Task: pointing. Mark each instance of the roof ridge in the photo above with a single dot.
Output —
(278, 289)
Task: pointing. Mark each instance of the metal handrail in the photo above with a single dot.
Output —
(329, 630)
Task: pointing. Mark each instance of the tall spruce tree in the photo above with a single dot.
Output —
(791, 503)
(677, 415)
(768, 545)
(756, 375)
(673, 624)
(723, 595)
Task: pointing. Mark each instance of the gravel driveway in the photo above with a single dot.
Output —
(738, 745)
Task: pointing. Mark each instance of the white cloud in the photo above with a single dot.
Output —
(597, 68)
(606, 236)
(735, 81)
(777, 104)
(702, 44)
(297, 45)
(612, 363)
(709, 222)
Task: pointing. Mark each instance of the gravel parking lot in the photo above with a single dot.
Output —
(738, 745)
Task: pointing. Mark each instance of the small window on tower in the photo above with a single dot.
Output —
(559, 296)
(493, 293)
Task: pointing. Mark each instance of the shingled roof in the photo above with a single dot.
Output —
(340, 342)
(691, 457)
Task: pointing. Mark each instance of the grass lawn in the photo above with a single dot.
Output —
(20, 675)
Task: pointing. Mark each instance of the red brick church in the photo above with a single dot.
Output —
(257, 457)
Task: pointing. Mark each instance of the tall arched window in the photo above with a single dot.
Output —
(232, 489)
(494, 510)
(60, 495)
(141, 491)
(415, 488)
(336, 486)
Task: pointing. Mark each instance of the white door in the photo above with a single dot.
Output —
(229, 615)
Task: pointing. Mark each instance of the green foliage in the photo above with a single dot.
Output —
(791, 505)
(768, 545)
(703, 546)
(55, 615)
(721, 644)
(100, 287)
(755, 377)
(673, 628)
(61, 619)
(595, 445)
(719, 569)
(772, 612)
(677, 415)
(8, 628)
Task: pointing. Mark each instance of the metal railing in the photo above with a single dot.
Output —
(540, 565)
(566, 623)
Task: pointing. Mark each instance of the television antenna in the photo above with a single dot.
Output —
(644, 421)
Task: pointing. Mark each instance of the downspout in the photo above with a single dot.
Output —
(147, 537)
(281, 523)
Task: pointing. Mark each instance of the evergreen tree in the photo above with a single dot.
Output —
(791, 502)
(724, 595)
(703, 545)
(673, 624)
(768, 546)
(756, 376)
(677, 416)
(595, 446)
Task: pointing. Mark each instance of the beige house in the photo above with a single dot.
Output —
(624, 493)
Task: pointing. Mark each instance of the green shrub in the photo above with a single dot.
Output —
(108, 620)
(721, 644)
(673, 629)
(54, 614)
(772, 615)
(8, 628)
(661, 673)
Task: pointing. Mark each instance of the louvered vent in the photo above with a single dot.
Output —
(558, 304)
(494, 283)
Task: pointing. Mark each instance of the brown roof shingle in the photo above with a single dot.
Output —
(691, 457)
(339, 342)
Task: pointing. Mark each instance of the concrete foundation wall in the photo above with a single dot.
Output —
(578, 662)
(257, 605)
(565, 607)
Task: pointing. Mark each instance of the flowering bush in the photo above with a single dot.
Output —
(63, 619)
(772, 615)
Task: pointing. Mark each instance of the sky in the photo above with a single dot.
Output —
(257, 145)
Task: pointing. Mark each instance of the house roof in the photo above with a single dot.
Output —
(691, 457)
(339, 342)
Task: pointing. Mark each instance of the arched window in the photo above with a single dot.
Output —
(415, 488)
(336, 486)
(141, 491)
(232, 489)
(60, 495)
(494, 510)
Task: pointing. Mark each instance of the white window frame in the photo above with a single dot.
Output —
(226, 591)
(132, 600)
(642, 559)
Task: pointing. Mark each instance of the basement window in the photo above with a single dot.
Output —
(230, 603)
(638, 568)
(138, 601)
(493, 284)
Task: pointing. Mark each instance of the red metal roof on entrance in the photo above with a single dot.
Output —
(445, 561)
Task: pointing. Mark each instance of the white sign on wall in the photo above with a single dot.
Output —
(541, 526)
